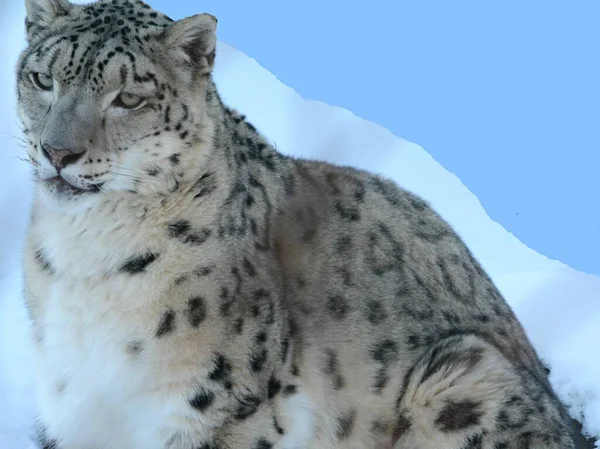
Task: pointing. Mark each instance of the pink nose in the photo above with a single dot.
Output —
(60, 158)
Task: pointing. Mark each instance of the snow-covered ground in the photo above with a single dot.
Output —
(559, 307)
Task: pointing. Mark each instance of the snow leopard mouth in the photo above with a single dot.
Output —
(62, 186)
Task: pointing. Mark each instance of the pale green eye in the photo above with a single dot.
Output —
(129, 101)
(42, 81)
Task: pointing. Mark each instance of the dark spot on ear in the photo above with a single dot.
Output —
(138, 264)
(459, 415)
(167, 324)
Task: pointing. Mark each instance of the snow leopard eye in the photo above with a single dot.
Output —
(129, 101)
(41, 80)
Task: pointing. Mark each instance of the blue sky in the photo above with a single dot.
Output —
(504, 94)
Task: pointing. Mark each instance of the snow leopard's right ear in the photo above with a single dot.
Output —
(192, 41)
(42, 13)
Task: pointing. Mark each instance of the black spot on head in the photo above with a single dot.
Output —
(197, 238)
(451, 356)
(166, 324)
(349, 213)
(375, 312)
(180, 280)
(205, 185)
(338, 307)
(379, 427)
(182, 231)
(343, 244)
(331, 366)
(418, 203)
(138, 264)
(402, 426)
(238, 326)
(413, 342)
(134, 348)
(178, 228)
(290, 390)
(204, 271)
(221, 372)
(474, 442)
(345, 424)
(384, 352)
(381, 380)
(289, 184)
(331, 362)
(43, 262)
(338, 382)
(258, 359)
(459, 415)
(202, 400)
(294, 370)
(249, 268)
(175, 158)
(154, 171)
(247, 406)
(44, 441)
(278, 428)
(384, 252)
(196, 311)
(274, 387)
(285, 347)
(262, 443)
(261, 337)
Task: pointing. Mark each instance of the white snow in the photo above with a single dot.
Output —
(559, 307)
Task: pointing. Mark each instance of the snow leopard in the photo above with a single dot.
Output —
(191, 287)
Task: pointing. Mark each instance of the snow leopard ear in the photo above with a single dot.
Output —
(42, 13)
(193, 41)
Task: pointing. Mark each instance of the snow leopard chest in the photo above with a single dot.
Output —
(100, 365)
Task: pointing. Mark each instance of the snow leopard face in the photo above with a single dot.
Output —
(111, 97)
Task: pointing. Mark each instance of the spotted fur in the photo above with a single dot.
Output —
(190, 287)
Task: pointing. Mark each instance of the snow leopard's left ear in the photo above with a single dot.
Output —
(43, 13)
(192, 41)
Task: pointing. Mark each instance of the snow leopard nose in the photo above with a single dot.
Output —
(60, 158)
